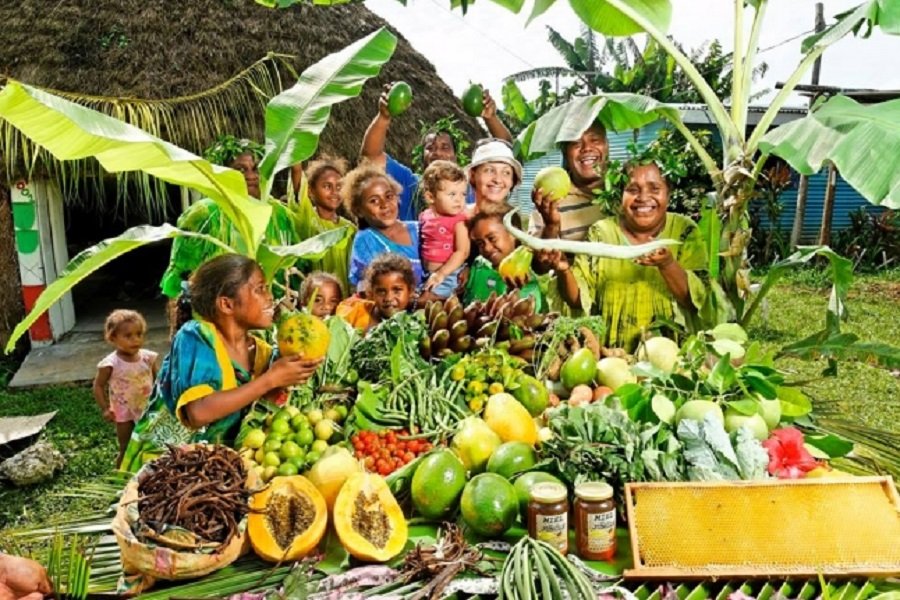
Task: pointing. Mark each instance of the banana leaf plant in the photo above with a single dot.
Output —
(860, 140)
(294, 120)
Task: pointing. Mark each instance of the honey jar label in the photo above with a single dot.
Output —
(601, 529)
(553, 529)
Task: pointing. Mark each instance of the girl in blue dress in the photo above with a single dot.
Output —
(216, 367)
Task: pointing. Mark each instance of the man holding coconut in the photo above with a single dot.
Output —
(570, 217)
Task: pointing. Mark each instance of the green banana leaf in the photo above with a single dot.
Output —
(273, 259)
(92, 259)
(70, 132)
(882, 13)
(605, 17)
(862, 141)
(566, 122)
(515, 104)
(296, 117)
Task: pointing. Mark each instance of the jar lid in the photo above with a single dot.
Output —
(548, 492)
(594, 490)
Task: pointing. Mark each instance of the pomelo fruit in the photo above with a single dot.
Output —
(489, 505)
(302, 334)
(661, 352)
(695, 410)
(474, 443)
(399, 98)
(525, 482)
(614, 372)
(735, 420)
(437, 484)
(532, 394)
(579, 369)
(511, 458)
(473, 100)
(553, 183)
(509, 419)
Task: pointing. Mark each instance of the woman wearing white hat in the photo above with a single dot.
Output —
(493, 173)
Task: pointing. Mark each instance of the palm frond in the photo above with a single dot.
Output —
(191, 122)
(566, 49)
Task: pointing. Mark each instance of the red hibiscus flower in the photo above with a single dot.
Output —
(788, 458)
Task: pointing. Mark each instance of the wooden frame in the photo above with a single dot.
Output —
(724, 571)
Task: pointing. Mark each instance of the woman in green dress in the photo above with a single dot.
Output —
(205, 216)
(631, 295)
(216, 367)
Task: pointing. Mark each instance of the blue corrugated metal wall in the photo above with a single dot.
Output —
(846, 199)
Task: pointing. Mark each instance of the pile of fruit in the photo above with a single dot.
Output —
(291, 441)
(506, 322)
(385, 451)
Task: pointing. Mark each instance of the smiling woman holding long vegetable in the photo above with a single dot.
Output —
(630, 295)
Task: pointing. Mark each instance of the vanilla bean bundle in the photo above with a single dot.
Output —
(200, 488)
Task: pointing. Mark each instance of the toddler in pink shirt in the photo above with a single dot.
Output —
(443, 234)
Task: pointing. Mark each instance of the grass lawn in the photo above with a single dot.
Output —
(868, 395)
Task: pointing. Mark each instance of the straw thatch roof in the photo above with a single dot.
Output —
(187, 70)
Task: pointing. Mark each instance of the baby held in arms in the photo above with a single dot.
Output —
(442, 227)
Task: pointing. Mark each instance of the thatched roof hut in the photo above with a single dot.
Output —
(185, 71)
(197, 65)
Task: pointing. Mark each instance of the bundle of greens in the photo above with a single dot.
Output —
(594, 442)
(390, 344)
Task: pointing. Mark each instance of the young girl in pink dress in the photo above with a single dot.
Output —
(442, 227)
(125, 377)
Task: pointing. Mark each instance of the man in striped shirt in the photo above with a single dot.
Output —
(571, 217)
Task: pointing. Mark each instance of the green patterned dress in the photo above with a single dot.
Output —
(205, 216)
(630, 296)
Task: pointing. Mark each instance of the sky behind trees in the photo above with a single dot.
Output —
(490, 42)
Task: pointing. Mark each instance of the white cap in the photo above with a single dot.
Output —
(496, 151)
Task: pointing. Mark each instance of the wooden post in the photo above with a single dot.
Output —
(828, 206)
(800, 209)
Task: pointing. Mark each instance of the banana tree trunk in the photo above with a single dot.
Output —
(737, 191)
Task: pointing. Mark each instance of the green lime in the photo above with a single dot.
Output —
(298, 421)
(324, 429)
(281, 426)
(271, 459)
(298, 461)
(304, 437)
(272, 445)
(319, 446)
(255, 438)
(342, 411)
(282, 415)
(312, 457)
(289, 449)
(287, 469)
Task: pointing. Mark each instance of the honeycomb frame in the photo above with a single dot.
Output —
(846, 527)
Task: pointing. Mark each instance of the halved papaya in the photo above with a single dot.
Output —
(368, 520)
(287, 519)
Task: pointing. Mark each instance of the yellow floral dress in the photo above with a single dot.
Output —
(630, 296)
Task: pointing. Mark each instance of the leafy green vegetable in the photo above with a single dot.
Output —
(711, 455)
(595, 442)
(375, 357)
